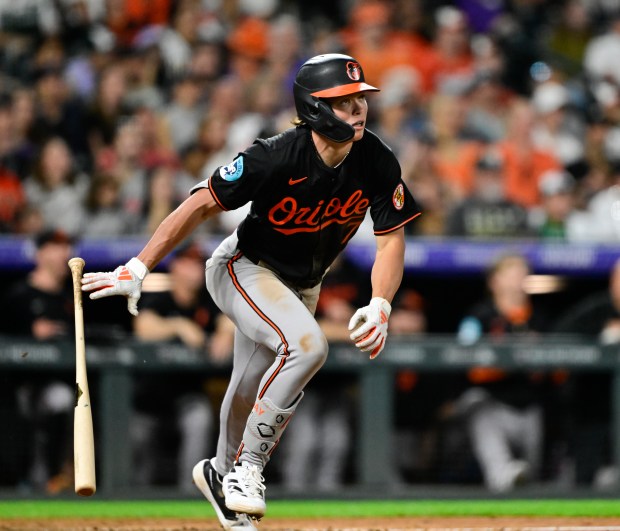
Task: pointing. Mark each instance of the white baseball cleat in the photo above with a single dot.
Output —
(244, 490)
(209, 482)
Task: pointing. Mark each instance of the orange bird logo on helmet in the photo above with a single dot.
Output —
(354, 71)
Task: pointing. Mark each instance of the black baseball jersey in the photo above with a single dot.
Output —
(303, 212)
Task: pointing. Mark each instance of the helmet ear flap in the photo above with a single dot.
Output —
(331, 126)
(319, 116)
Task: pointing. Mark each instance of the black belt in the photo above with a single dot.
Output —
(303, 284)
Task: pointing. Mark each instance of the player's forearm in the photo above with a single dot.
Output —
(387, 271)
(177, 226)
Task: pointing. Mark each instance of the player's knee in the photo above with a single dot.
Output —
(313, 349)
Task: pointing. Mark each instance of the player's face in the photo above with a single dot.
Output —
(353, 110)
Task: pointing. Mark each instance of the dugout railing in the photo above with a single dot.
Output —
(113, 369)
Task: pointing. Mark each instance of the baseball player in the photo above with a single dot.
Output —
(309, 188)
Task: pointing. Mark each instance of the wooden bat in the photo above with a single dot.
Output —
(83, 438)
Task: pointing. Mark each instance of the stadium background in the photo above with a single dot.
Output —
(228, 52)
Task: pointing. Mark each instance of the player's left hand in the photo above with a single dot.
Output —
(371, 334)
(124, 280)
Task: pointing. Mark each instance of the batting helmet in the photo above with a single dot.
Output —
(327, 76)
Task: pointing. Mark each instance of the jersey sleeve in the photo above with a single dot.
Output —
(392, 205)
(237, 183)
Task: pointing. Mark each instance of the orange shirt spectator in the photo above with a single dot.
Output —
(454, 157)
(524, 168)
(449, 58)
(125, 18)
(524, 163)
(375, 44)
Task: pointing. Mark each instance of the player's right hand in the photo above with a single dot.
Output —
(125, 280)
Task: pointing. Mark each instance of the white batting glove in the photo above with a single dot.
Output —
(125, 280)
(372, 323)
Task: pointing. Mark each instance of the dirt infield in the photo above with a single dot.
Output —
(333, 524)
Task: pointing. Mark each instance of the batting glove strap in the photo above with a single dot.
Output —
(137, 268)
(370, 335)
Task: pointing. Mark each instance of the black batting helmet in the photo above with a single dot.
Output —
(327, 76)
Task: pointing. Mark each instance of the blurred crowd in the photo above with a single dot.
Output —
(504, 115)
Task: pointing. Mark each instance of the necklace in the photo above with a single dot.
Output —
(316, 152)
(343, 159)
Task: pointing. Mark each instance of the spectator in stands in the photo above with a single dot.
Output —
(22, 119)
(162, 198)
(371, 38)
(599, 221)
(557, 127)
(58, 113)
(212, 140)
(487, 101)
(41, 307)
(125, 19)
(8, 160)
(285, 55)
(449, 67)
(145, 84)
(595, 318)
(568, 37)
(57, 188)
(503, 410)
(248, 45)
(524, 161)
(104, 215)
(28, 221)
(401, 115)
(486, 212)
(183, 314)
(557, 190)
(183, 113)
(602, 69)
(156, 143)
(179, 35)
(123, 161)
(105, 111)
(432, 193)
(454, 151)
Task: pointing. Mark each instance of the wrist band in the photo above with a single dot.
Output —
(137, 268)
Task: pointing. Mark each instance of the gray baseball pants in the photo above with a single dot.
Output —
(278, 347)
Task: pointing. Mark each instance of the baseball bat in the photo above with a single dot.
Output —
(83, 438)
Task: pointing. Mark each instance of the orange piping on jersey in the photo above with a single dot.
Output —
(243, 293)
(386, 231)
(217, 199)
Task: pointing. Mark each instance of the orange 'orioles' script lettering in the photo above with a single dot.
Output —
(298, 218)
